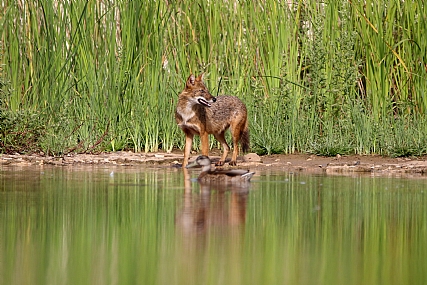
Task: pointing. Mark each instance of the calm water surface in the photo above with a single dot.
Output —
(152, 226)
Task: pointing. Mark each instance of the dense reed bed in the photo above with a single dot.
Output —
(326, 78)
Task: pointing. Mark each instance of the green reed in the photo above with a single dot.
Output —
(324, 78)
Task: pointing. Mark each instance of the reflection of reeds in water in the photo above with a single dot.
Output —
(78, 226)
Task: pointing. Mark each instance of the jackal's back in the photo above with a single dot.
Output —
(225, 109)
(228, 112)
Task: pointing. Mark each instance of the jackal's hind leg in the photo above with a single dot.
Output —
(236, 138)
(225, 148)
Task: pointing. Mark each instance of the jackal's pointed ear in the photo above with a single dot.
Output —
(200, 77)
(191, 81)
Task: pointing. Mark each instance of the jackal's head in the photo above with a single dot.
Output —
(196, 91)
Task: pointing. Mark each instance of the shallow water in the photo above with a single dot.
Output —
(122, 225)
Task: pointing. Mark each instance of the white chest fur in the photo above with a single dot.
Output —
(186, 116)
(186, 112)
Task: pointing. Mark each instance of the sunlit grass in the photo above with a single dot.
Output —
(323, 78)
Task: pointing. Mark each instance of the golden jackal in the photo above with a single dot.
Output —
(199, 113)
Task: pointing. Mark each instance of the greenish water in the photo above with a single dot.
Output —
(151, 226)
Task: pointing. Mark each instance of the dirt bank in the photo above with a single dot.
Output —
(346, 165)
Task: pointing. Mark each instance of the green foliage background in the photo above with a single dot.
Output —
(321, 77)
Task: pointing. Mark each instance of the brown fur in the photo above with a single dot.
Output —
(199, 113)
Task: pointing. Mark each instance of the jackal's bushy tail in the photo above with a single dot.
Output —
(244, 140)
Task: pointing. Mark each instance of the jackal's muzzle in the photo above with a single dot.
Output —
(203, 101)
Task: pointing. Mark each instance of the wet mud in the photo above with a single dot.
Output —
(345, 165)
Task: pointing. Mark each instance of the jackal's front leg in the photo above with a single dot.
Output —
(187, 148)
(204, 139)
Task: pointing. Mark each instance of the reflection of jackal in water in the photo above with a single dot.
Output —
(199, 113)
(211, 208)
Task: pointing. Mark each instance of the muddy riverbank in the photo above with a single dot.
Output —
(354, 164)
